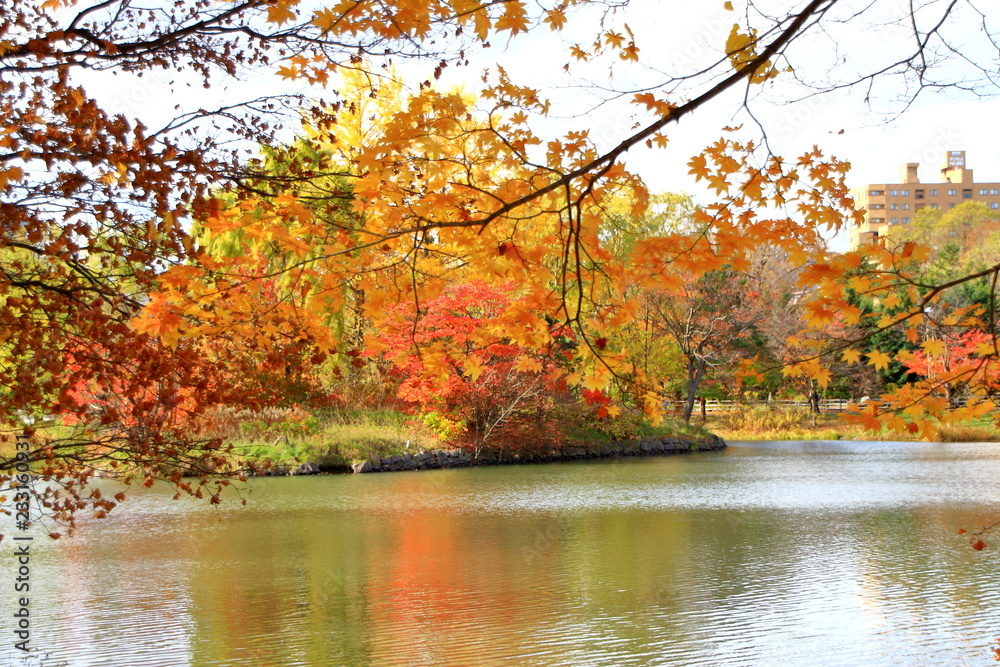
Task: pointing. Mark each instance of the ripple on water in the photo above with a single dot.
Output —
(804, 554)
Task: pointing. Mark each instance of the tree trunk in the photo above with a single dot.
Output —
(696, 370)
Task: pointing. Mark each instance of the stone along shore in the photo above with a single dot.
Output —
(457, 458)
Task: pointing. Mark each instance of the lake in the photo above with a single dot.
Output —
(832, 553)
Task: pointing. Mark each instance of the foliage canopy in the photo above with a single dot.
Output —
(160, 264)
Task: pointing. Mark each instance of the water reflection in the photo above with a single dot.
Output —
(804, 553)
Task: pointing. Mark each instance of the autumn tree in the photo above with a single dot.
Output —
(474, 386)
(959, 359)
(706, 318)
(97, 208)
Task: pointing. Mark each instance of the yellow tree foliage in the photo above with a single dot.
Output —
(158, 249)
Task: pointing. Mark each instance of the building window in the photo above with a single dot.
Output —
(893, 193)
(878, 221)
(951, 206)
(906, 207)
(994, 191)
(933, 205)
(894, 207)
(877, 207)
(919, 206)
(876, 193)
(894, 220)
(919, 194)
(994, 205)
(905, 193)
(933, 193)
(982, 192)
(967, 193)
(952, 193)
(906, 221)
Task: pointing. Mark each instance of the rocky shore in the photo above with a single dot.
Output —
(458, 458)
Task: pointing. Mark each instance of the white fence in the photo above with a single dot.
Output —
(825, 405)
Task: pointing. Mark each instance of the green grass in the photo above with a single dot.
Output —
(337, 438)
(331, 439)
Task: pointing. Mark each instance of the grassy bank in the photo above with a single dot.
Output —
(784, 424)
(331, 439)
(335, 439)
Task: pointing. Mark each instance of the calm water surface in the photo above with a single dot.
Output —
(765, 554)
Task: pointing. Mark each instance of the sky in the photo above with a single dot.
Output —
(681, 38)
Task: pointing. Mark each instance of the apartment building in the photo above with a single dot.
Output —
(890, 205)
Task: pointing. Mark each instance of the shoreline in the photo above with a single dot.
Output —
(460, 458)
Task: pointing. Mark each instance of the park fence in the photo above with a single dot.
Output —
(825, 405)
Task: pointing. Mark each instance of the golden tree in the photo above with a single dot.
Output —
(98, 258)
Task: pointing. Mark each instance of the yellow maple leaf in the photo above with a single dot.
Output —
(891, 301)
(526, 364)
(326, 18)
(473, 367)
(934, 347)
(556, 18)
(653, 407)
(880, 360)
(698, 164)
(593, 383)
(514, 19)
(985, 349)
(615, 39)
(281, 11)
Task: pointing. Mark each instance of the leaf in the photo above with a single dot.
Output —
(326, 18)
(527, 364)
(613, 39)
(880, 360)
(891, 301)
(630, 52)
(280, 11)
(556, 18)
(593, 383)
(11, 174)
(851, 356)
(473, 368)
(822, 377)
(514, 19)
(934, 347)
